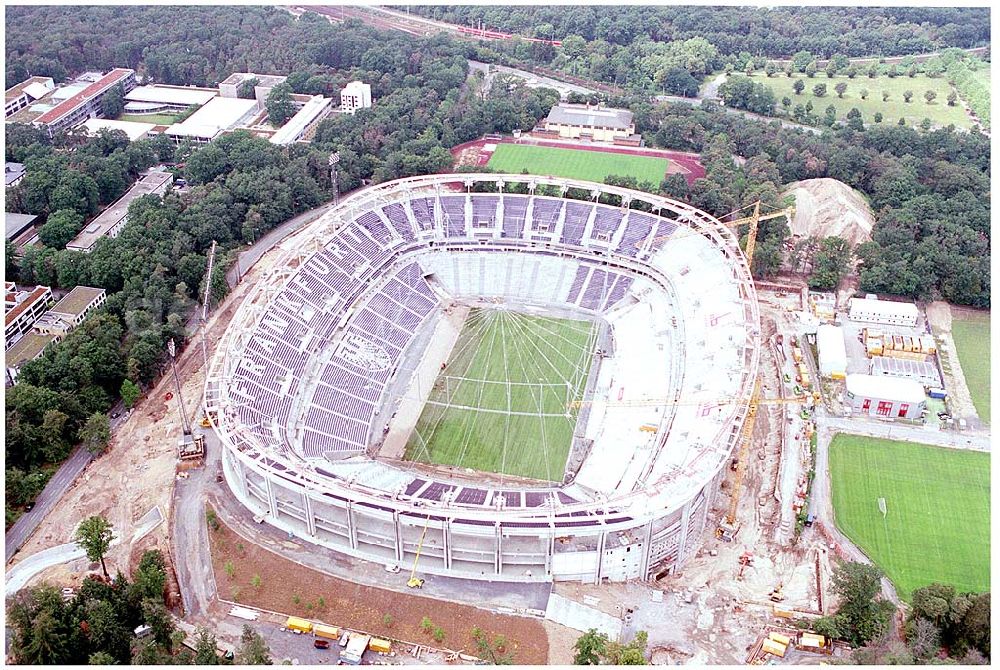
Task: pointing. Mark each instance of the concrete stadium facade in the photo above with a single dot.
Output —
(514, 531)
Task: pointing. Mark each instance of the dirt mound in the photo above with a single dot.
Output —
(827, 207)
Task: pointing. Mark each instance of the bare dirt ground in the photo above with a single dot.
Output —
(358, 607)
(827, 207)
(939, 317)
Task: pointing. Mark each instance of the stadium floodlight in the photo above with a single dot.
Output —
(332, 161)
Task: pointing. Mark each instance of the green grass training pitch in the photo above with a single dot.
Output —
(576, 164)
(972, 338)
(892, 110)
(503, 403)
(160, 119)
(937, 522)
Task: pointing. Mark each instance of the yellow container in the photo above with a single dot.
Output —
(772, 647)
(381, 646)
(781, 612)
(779, 638)
(301, 625)
(329, 632)
(812, 640)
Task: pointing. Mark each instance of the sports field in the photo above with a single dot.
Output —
(577, 164)
(972, 338)
(502, 404)
(936, 526)
(892, 109)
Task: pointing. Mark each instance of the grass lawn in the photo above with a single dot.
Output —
(914, 112)
(160, 119)
(972, 337)
(937, 522)
(501, 405)
(576, 163)
(983, 76)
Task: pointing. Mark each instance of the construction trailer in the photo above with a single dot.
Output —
(298, 626)
(885, 397)
(832, 351)
(380, 646)
(873, 310)
(329, 632)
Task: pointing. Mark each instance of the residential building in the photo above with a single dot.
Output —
(70, 311)
(832, 351)
(886, 397)
(111, 221)
(28, 348)
(86, 103)
(21, 95)
(873, 310)
(600, 124)
(356, 95)
(230, 86)
(305, 120)
(13, 173)
(22, 310)
(133, 130)
(218, 116)
(159, 99)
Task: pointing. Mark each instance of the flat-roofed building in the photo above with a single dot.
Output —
(132, 129)
(28, 348)
(23, 311)
(20, 229)
(86, 103)
(311, 113)
(70, 311)
(13, 173)
(218, 116)
(887, 397)
(230, 86)
(924, 372)
(601, 124)
(356, 95)
(111, 221)
(873, 310)
(21, 95)
(159, 98)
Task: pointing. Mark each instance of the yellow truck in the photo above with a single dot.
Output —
(298, 626)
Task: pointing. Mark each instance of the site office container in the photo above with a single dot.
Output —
(812, 640)
(772, 647)
(297, 625)
(381, 646)
(779, 638)
(329, 632)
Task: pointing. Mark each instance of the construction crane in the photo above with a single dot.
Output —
(754, 219)
(727, 528)
(414, 582)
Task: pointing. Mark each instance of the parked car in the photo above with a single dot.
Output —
(321, 644)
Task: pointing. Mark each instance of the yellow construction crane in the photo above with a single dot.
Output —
(754, 219)
(414, 582)
(728, 527)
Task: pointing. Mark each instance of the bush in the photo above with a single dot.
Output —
(212, 519)
(426, 625)
(439, 634)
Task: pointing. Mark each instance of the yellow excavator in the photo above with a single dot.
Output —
(415, 582)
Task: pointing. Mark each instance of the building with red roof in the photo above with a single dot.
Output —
(87, 103)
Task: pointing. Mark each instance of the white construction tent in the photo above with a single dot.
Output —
(832, 352)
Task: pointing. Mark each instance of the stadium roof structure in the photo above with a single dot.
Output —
(588, 116)
(175, 95)
(301, 382)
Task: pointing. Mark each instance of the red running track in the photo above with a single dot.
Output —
(680, 162)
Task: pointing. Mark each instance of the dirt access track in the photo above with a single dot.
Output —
(687, 164)
(286, 586)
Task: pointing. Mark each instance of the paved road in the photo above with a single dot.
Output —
(976, 441)
(53, 492)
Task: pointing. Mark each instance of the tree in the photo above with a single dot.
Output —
(852, 71)
(113, 103)
(60, 228)
(206, 648)
(151, 575)
(590, 648)
(811, 69)
(830, 115)
(893, 71)
(678, 81)
(252, 649)
(885, 96)
(748, 70)
(246, 88)
(633, 653)
(831, 70)
(929, 96)
(907, 95)
(862, 614)
(493, 652)
(129, 392)
(786, 102)
(819, 90)
(863, 93)
(840, 88)
(101, 658)
(872, 71)
(952, 98)
(96, 433)
(798, 86)
(770, 69)
(279, 105)
(877, 117)
(911, 72)
(94, 535)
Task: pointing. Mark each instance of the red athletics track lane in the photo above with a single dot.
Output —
(680, 162)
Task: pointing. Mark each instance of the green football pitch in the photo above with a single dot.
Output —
(576, 164)
(936, 525)
(972, 338)
(504, 403)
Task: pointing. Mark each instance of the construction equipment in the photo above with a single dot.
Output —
(776, 595)
(414, 582)
(205, 423)
(727, 528)
(754, 220)
(746, 558)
